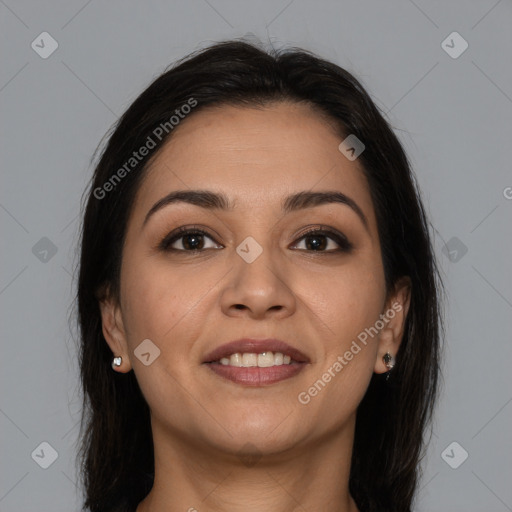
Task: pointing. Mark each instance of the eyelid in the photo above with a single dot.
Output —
(341, 240)
(320, 229)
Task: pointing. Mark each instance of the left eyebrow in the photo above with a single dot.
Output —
(218, 201)
(308, 199)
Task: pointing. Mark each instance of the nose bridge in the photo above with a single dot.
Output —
(258, 282)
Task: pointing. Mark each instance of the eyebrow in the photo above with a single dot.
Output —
(219, 201)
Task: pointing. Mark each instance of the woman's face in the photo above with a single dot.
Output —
(252, 275)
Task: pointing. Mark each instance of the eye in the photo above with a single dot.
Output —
(192, 239)
(316, 240)
(189, 238)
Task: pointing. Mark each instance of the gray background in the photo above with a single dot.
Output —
(453, 115)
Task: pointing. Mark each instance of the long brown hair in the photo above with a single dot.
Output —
(116, 451)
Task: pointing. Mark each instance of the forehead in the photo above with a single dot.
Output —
(255, 156)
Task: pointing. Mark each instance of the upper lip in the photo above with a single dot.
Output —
(256, 346)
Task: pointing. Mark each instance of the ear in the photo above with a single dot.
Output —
(113, 329)
(393, 316)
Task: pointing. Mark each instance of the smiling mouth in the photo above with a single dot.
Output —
(256, 362)
(252, 369)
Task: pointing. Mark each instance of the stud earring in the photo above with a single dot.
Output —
(116, 362)
(389, 360)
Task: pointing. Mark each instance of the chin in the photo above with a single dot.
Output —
(262, 429)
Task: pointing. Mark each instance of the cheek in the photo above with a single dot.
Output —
(348, 299)
(349, 303)
(166, 307)
(157, 300)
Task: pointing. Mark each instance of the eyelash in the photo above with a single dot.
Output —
(340, 239)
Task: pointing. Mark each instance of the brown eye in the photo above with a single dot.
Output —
(190, 240)
(316, 240)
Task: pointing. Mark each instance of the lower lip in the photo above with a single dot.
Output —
(256, 376)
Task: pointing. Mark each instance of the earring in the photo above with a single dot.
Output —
(116, 362)
(389, 360)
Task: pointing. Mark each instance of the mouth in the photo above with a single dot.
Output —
(253, 362)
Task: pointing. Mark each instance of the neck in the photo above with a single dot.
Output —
(307, 477)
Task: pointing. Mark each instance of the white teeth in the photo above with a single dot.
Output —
(249, 359)
(262, 360)
(265, 359)
(235, 359)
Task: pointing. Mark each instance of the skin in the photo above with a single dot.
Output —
(187, 304)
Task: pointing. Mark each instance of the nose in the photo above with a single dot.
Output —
(258, 289)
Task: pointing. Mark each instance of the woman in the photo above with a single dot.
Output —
(258, 296)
